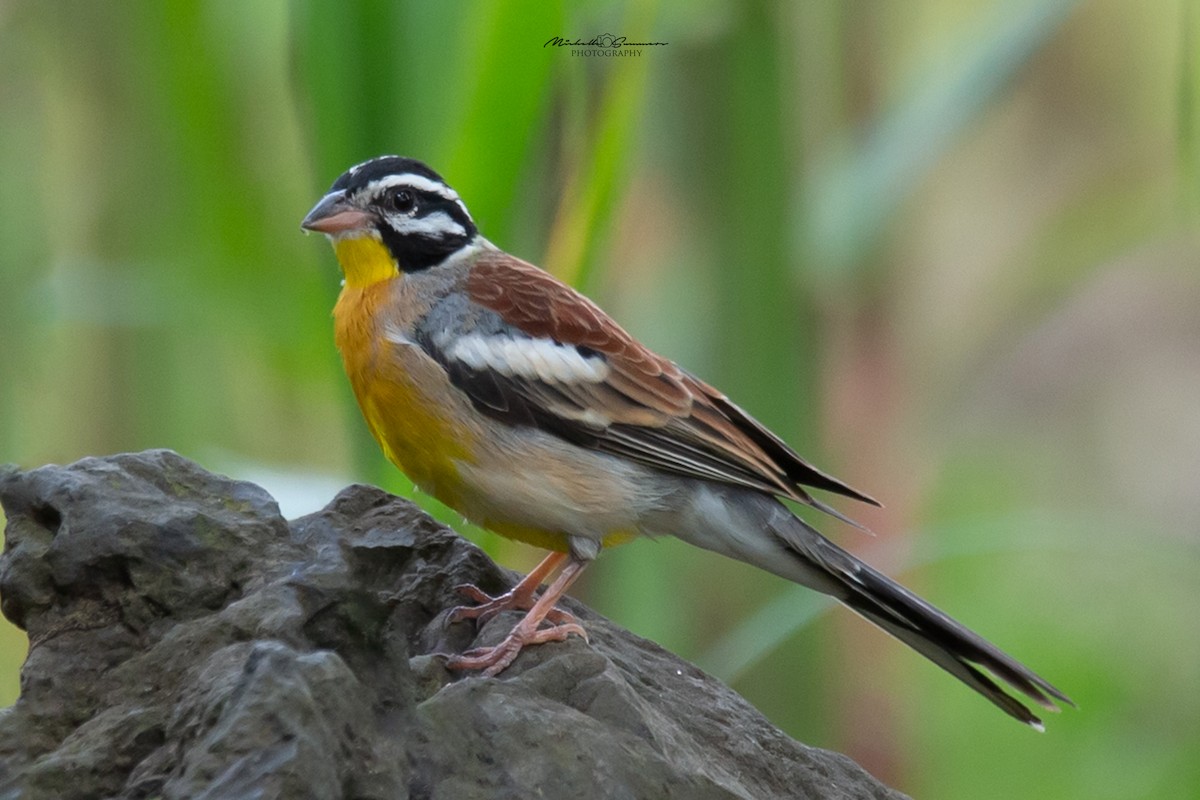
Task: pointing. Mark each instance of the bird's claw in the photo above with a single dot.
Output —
(494, 660)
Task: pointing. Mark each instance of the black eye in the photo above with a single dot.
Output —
(401, 200)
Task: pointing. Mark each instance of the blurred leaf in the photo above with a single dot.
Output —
(351, 73)
(760, 634)
(1189, 105)
(849, 203)
(503, 106)
(590, 195)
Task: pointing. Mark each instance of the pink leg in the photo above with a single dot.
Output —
(521, 597)
(493, 660)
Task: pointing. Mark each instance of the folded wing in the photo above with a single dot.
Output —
(561, 364)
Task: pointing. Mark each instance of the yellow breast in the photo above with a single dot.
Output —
(398, 389)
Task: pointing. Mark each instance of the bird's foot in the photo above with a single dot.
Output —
(488, 606)
(494, 660)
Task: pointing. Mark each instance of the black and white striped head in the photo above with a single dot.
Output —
(404, 203)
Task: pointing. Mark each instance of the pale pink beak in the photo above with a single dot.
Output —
(335, 214)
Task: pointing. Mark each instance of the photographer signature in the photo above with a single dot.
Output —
(603, 40)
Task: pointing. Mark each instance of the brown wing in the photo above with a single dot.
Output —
(644, 408)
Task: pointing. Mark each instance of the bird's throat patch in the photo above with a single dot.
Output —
(365, 260)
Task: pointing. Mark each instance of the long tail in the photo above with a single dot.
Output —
(754, 528)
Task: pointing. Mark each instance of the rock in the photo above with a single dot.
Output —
(188, 642)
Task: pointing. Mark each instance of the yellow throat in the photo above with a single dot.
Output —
(365, 260)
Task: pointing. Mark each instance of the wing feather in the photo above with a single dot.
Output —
(641, 407)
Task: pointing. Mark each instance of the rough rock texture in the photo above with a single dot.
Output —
(188, 642)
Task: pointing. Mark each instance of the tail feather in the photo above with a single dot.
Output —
(932, 633)
(759, 530)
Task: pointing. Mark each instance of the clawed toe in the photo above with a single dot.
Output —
(560, 616)
(494, 660)
(474, 593)
(558, 633)
(487, 605)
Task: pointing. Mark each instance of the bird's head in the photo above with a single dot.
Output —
(394, 205)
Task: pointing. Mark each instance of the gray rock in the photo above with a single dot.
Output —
(188, 642)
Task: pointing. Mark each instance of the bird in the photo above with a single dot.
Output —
(515, 400)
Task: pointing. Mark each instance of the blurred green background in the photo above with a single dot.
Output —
(947, 249)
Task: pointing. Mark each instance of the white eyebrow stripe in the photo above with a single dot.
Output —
(539, 359)
(418, 182)
(438, 225)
